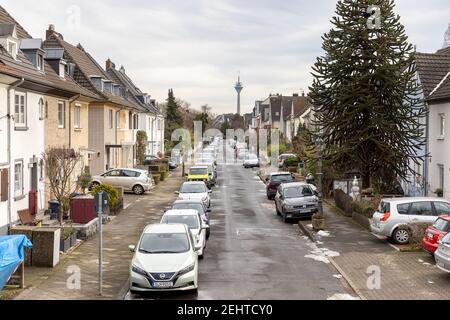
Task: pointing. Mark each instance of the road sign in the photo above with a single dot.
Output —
(101, 203)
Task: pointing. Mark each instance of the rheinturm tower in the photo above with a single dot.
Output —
(239, 88)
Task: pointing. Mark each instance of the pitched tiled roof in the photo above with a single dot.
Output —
(86, 66)
(23, 68)
(287, 106)
(275, 108)
(5, 17)
(122, 78)
(432, 69)
(301, 105)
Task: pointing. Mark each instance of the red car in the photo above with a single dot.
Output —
(435, 233)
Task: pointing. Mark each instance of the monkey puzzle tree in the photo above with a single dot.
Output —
(366, 95)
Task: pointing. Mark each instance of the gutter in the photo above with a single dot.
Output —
(11, 87)
(72, 100)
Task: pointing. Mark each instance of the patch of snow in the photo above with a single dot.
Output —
(322, 255)
(430, 282)
(309, 226)
(322, 233)
(319, 243)
(337, 276)
(420, 260)
(426, 264)
(343, 296)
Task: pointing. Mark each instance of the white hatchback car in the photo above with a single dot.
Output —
(195, 190)
(192, 218)
(393, 213)
(135, 180)
(165, 259)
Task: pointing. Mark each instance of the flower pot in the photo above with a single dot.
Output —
(73, 239)
(318, 223)
(65, 244)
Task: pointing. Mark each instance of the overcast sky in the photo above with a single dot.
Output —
(197, 47)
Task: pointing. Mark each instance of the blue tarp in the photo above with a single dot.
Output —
(11, 255)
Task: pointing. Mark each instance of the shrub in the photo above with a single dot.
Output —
(291, 162)
(344, 202)
(364, 207)
(84, 181)
(113, 194)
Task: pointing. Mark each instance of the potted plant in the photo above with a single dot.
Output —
(318, 222)
(439, 192)
(84, 181)
(66, 238)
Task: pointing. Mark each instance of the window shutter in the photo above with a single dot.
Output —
(4, 185)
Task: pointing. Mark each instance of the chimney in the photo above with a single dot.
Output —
(122, 70)
(52, 32)
(79, 46)
(110, 65)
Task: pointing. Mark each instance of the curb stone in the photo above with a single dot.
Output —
(307, 232)
(347, 278)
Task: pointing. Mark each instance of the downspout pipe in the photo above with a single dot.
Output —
(72, 100)
(9, 117)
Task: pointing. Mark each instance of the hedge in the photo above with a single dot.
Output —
(344, 202)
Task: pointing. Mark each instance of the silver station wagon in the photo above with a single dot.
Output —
(135, 180)
(393, 213)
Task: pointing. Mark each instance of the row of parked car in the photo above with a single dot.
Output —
(293, 200)
(394, 215)
(166, 256)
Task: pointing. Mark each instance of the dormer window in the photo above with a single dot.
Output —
(12, 49)
(62, 68)
(108, 86)
(40, 62)
(98, 82)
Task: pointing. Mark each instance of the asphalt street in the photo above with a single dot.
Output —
(252, 254)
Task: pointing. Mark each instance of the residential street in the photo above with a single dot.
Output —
(252, 254)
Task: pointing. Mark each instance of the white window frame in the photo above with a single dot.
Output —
(20, 114)
(77, 117)
(442, 124)
(111, 119)
(41, 109)
(18, 184)
(40, 62)
(61, 121)
(12, 45)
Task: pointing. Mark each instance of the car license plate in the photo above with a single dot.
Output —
(163, 285)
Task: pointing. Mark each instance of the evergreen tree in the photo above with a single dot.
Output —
(365, 93)
(174, 119)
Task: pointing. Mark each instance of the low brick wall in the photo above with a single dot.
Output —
(362, 220)
(87, 231)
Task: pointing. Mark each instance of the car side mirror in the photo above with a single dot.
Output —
(177, 192)
(198, 247)
(209, 191)
(208, 210)
(186, 174)
(132, 248)
(205, 226)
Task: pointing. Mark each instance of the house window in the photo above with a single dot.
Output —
(61, 114)
(18, 178)
(441, 126)
(136, 121)
(20, 111)
(41, 169)
(40, 62)
(111, 119)
(118, 120)
(12, 49)
(441, 176)
(77, 117)
(130, 120)
(41, 109)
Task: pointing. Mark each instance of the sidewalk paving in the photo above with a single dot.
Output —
(125, 229)
(404, 276)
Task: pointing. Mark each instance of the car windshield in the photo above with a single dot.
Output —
(197, 171)
(189, 220)
(183, 206)
(282, 178)
(164, 243)
(442, 225)
(193, 188)
(446, 239)
(298, 192)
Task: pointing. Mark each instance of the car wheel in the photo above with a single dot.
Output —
(138, 190)
(401, 236)
(284, 217)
